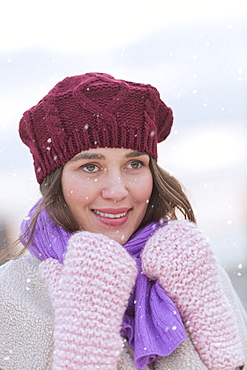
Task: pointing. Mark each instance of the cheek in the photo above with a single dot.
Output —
(143, 189)
(77, 191)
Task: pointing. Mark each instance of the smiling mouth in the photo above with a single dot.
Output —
(110, 215)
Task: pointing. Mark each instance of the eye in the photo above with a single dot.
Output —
(135, 165)
(90, 167)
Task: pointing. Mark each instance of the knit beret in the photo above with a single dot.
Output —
(89, 111)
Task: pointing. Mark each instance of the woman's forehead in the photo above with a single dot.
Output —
(103, 153)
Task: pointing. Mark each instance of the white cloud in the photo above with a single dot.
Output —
(93, 25)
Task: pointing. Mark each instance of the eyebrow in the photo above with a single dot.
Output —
(87, 156)
(135, 153)
(80, 156)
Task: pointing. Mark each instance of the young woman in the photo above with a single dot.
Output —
(116, 275)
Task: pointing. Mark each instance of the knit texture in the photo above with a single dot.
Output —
(26, 323)
(89, 111)
(152, 324)
(181, 259)
(150, 314)
(89, 294)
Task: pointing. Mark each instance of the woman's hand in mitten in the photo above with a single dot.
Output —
(89, 295)
(180, 258)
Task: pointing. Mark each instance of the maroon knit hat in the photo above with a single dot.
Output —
(89, 111)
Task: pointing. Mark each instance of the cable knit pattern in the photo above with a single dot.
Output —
(181, 259)
(89, 111)
(90, 294)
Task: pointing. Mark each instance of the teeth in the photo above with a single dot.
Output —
(109, 215)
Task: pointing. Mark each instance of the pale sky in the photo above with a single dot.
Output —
(97, 26)
(93, 25)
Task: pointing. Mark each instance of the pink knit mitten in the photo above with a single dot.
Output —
(89, 294)
(180, 258)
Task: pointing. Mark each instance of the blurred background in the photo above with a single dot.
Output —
(193, 52)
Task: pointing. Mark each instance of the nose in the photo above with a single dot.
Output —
(114, 188)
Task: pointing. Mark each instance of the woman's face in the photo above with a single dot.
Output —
(108, 190)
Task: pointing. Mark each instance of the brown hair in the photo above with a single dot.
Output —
(168, 197)
(167, 200)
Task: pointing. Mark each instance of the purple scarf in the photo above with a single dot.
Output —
(151, 323)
